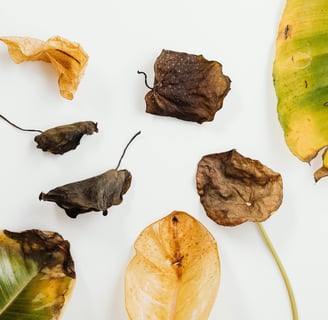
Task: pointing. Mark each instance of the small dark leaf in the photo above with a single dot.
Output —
(64, 138)
(187, 87)
(94, 194)
(234, 189)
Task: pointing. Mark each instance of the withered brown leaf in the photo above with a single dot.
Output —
(61, 139)
(67, 57)
(234, 189)
(187, 87)
(93, 194)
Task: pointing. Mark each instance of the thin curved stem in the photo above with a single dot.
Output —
(146, 82)
(122, 156)
(17, 127)
(281, 269)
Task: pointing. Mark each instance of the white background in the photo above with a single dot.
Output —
(120, 38)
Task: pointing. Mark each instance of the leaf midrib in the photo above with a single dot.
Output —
(13, 298)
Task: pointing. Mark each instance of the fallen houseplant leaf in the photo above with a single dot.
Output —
(67, 57)
(175, 273)
(234, 189)
(60, 139)
(92, 194)
(37, 275)
(300, 81)
(187, 87)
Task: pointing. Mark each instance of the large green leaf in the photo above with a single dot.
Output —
(36, 275)
(300, 78)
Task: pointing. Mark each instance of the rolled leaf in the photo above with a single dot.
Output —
(36, 275)
(175, 272)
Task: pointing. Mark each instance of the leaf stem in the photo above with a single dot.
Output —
(281, 269)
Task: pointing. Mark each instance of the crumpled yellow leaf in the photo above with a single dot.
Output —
(175, 273)
(68, 58)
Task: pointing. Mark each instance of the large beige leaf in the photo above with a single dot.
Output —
(36, 275)
(175, 272)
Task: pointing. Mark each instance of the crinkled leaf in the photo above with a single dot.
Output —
(36, 275)
(68, 58)
(234, 189)
(187, 87)
(93, 194)
(175, 272)
(300, 78)
(61, 139)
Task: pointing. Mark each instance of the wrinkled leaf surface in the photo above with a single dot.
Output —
(61, 139)
(187, 87)
(175, 272)
(36, 275)
(234, 189)
(68, 58)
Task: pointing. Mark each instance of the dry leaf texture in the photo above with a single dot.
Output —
(68, 58)
(175, 273)
(187, 87)
(61, 139)
(234, 189)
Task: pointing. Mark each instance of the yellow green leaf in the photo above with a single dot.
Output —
(175, 272)
(36, 275)
(300, 78)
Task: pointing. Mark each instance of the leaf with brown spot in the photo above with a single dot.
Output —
(175, 272)
(234, 189)
(67, 57)
(187, 87)
(37, 275)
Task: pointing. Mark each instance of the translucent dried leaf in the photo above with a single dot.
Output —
(175, 273)
(61, 139)
(234, 189)
(68, 58)
(37, 275)
(187, 87)
(93, 194)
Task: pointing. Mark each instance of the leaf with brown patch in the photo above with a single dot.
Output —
(175, 272)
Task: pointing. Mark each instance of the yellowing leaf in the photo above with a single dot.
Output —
(36, 275)
(68, 58)
(175, 273)
(300, 78)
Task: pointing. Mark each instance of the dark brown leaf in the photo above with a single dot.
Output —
(187, 87)
(94, 194)
(61, 139)
(234, 189)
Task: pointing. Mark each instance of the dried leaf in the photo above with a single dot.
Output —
(175, 273)
(61, 139)
(68, 58)
(234, 189)
(37, 275)
(93, 194)
(187, 87)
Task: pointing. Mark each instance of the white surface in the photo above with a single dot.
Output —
(120, 38)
